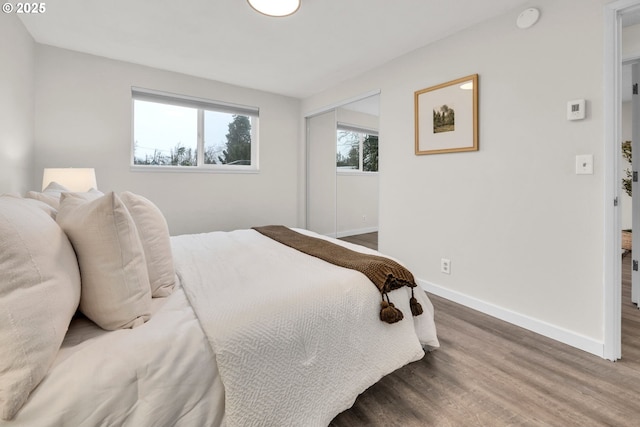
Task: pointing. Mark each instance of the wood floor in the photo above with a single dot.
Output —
(491, 373)
(369, 240)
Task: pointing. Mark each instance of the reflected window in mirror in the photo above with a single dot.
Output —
(356, 149)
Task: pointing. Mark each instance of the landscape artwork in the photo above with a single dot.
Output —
(446, 117)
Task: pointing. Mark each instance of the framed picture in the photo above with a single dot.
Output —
(446, 117)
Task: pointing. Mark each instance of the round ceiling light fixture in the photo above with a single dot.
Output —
(275, 7)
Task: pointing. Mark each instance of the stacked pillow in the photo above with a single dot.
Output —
(154, 236)
(39, 294)
(50, 195)
(106, 255)
(115, 283)
(124, 252)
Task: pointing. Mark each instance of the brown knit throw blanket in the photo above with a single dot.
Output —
(384, 273)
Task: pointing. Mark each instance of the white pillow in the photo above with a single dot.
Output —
(55, 188)
(51, 200)
(11, 194)
(154, 235)
(43, 206)
(39, 294)
(115, 283)
(51, 194)
(92, 194)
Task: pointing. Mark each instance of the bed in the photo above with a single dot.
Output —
(242, 331)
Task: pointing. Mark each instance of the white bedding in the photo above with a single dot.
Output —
(296, 339)
(159, 374)
(278, 357)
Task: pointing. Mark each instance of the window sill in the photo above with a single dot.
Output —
(195, 169)
(355, 172)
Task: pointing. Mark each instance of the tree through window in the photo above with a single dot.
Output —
(173, 130)
(357, 149)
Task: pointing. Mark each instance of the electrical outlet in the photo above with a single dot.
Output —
(445, 266)
(364, 218)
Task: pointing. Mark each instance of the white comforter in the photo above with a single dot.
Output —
(296, 339)
(293, 355)
(160, 374)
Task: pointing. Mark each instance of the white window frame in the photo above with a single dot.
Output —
(201, 104)
(361, 130)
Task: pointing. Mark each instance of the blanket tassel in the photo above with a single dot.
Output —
(416, 308)
(389, 313)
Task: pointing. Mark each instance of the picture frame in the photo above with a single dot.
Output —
(446, 117)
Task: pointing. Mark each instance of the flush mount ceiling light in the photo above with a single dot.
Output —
(275, 7)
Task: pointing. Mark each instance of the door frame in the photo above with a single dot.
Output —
(612, 298)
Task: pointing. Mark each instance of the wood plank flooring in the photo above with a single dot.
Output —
(369, 240)
(491, 373)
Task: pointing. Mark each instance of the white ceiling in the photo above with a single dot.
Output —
(324, 43)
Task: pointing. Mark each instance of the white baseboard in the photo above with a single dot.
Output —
(346, 233)
(543, 328)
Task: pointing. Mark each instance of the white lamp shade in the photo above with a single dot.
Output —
(275, 7)
(75, 179)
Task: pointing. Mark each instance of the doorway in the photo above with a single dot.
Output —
(615, 13)
(630, 206)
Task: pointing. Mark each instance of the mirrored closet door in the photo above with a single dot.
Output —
(342, 169)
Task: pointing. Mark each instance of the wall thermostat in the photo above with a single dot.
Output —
(575, 110)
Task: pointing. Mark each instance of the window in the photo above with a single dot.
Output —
(173, 130)
(357, 149)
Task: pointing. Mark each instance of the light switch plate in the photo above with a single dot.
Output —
(584, 164)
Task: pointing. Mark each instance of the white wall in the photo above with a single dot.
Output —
(83, 118)
(523, 232)
(16, 105)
